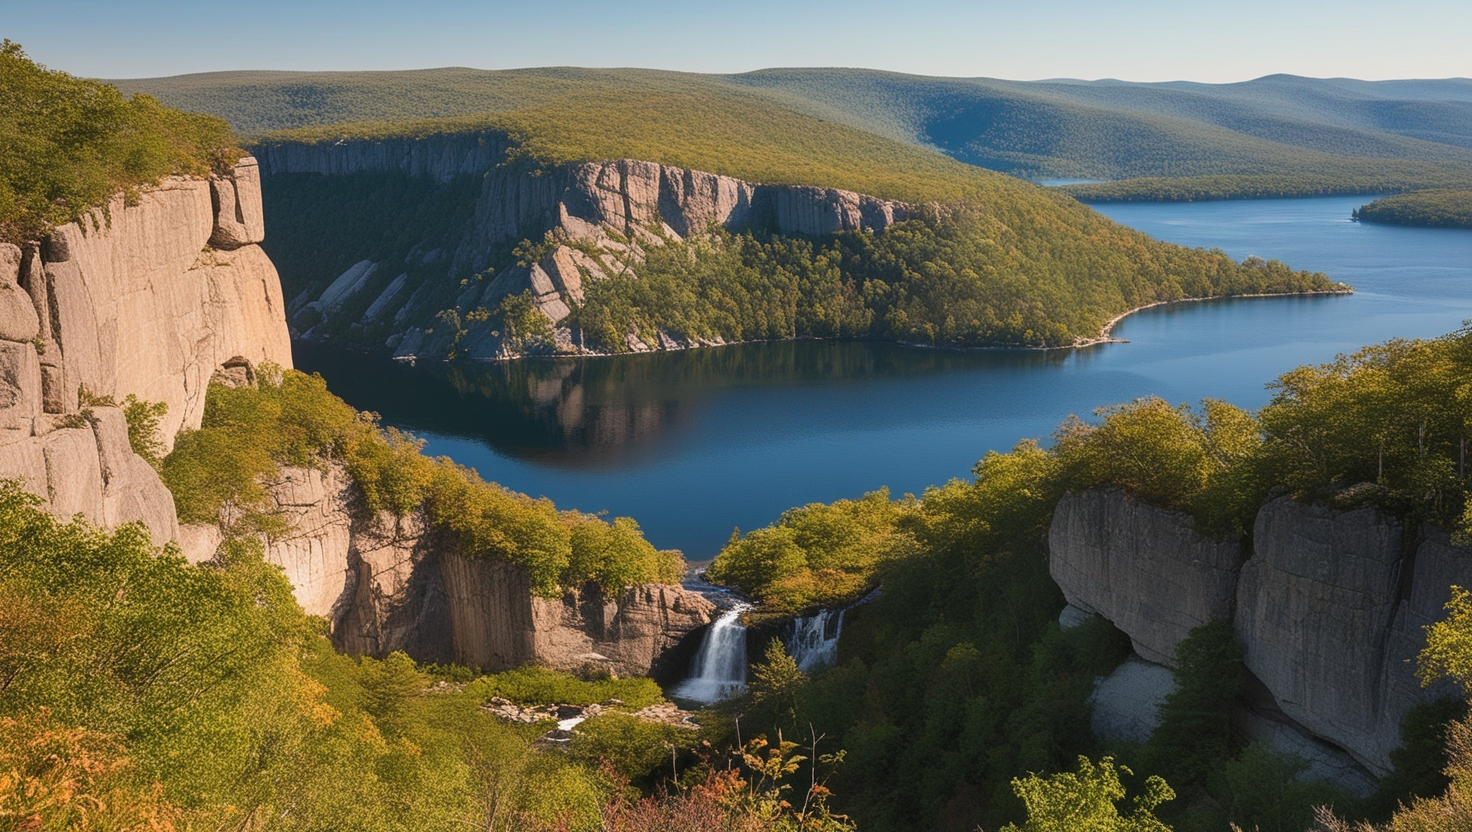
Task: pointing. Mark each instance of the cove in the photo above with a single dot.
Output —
(693, 444)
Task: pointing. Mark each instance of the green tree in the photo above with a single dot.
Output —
(1087, 801)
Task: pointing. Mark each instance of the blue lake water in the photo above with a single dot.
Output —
(693, 444)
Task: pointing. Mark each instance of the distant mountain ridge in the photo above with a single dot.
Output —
(1339, 131)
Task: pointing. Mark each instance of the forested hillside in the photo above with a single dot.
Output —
(957, 678)
(1424, 209)
(1312, 135)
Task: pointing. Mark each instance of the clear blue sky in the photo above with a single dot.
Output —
(1137, 40)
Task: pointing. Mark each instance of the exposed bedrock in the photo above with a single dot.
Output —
(1144, 569)
(604, 215)
(147, 299)
(390, 583)
(1329, 610)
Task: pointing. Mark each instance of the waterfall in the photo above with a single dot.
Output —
(814, 641)
(720, 666)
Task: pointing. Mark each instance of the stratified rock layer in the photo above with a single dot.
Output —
(1330, 609)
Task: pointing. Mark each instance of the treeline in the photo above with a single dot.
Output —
(1389, 177)
(71, 144)
(974, 277)
(1425, 209)
(217, 475)
(141, 692)
(956, 678)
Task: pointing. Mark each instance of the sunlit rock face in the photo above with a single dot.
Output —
(604, 217)
(146, 297)
(387, 583)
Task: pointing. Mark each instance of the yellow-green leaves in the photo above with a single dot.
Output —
(1087, 801)
(1448, 650)
(71, 144)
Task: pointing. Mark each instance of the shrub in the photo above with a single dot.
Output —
(72, 143)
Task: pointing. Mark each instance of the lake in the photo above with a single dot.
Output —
(693, 444)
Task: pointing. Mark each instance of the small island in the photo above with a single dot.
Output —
(1443, 208)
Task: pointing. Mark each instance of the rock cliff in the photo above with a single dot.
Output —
(1329, 609)
(1145, 570)
(602, 218)
(147, 297)
(389, 583)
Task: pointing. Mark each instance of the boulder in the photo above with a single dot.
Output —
(236, 200)
(1126, 703)
(18, 320)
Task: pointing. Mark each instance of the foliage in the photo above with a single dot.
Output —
(1428, 209)
(218, 475)
(140, 692)
(1087, 801)
(634, 748)
(1262, 789)
(58, 777)
(817, 554)
(72, 144)
(526, 329)
(1195, 733)
(1013, 274)
(776, 683)
(1338, 177)
(143, 428)
(532, 685)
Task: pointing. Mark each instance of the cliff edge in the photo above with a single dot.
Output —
(1329, 609)
(149, 297)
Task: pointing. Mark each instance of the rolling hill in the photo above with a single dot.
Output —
(1294, 135)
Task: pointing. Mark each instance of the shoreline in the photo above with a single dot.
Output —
(1104, 332)
(1104, 336)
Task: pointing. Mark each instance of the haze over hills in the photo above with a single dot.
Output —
(1307, 135)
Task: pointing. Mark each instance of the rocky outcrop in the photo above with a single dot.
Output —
(151, 299)
(389, 583)
(1330, 610)
(1145, 569)
(146, 298)
(602, 217)
(1330, 615)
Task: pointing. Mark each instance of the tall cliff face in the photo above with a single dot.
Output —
(604, 216)
(147, 298)
(390, 583)
(1144, 569)
(1329, 610)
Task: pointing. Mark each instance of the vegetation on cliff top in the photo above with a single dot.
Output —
(71, 144)
(219, 474)
(1338, 134)
(1387, 426)
(1379, 178)
(138, 691)
(1006, 274)
(1426, 209)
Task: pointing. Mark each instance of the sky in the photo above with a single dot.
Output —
(1136, 40)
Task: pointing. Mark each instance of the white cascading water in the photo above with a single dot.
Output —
(814, 641)
(720, 665)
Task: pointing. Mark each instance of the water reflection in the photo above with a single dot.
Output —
(601, 412)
